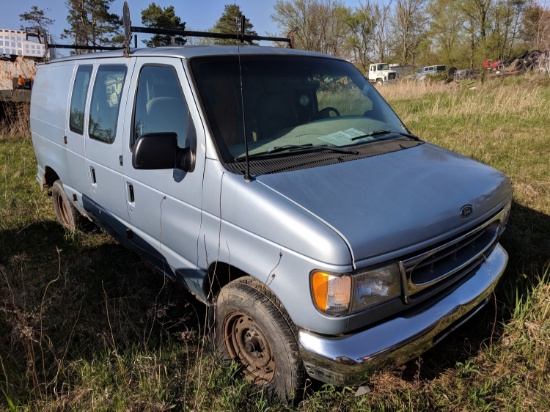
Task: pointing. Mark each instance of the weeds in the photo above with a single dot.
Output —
(84, 326)
(14, 119)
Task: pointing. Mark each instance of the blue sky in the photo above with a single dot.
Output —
(198, 14)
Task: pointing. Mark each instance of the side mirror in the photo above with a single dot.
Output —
(161, 151)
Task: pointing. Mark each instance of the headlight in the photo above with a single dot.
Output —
(376, 286)
(343, 294)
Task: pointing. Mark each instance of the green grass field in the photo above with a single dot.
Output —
(85, 326)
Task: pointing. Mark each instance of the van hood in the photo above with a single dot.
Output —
(391, 202)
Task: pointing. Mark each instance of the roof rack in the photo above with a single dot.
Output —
(129, 29)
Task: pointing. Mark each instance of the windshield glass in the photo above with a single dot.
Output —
(295, 102)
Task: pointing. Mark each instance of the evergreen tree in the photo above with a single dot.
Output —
(91, 24)
(37, 18)
(230, 23)
(156, 17)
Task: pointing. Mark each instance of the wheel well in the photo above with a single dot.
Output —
(219, 275)
(49, 177)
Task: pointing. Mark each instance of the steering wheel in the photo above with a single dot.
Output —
(323, 113)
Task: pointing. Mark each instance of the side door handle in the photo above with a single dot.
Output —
(92, 174)
(131, 198)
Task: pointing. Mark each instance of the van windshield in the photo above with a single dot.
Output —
(299, 102)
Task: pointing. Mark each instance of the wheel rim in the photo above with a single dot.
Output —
(246, 342)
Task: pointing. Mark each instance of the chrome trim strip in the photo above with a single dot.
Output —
(351, 359)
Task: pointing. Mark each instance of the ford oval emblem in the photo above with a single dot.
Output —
(466, 211)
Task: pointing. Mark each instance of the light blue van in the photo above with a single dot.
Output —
(281, 189)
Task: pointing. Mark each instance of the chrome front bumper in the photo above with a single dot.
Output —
(351, 359)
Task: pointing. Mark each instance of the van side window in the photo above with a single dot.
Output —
(108, 85)
(161, 106)
(78, 98)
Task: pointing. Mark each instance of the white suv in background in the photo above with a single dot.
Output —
(428, 70)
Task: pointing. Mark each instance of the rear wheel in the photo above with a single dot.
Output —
(253, 329)
(65, 211)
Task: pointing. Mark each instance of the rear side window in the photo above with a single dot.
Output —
(108, 85)
(78, 98)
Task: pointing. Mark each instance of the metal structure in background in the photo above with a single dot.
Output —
(19, 55)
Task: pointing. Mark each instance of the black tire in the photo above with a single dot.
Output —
(252, 328)
(523, 54)
(66, 213)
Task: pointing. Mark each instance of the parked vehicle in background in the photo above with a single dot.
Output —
(402, 71)
(281, 189)
(424, 72)
(380, 73)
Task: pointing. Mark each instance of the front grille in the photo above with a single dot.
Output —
(448, 262)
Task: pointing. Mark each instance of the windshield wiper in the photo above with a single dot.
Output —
(275, 149)
(384, 131)
(291, 147)
(336, 149)
(310, 148)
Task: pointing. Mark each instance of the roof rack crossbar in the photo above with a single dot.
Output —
(190, 33)
(75, 47)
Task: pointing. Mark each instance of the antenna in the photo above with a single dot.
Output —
(247, 176)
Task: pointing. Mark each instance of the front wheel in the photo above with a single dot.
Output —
(253, 329)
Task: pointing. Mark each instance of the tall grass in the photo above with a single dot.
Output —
(85, 326)
(14, 119)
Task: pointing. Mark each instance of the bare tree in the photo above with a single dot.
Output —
(505, 18)
(359, 40)
(477, 17)
(380, 12)
(409, 27)
(320, 24)
(535, 27)
(447, 32)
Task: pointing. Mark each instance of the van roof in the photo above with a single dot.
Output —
(186, 52)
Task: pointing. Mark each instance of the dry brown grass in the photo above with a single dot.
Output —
(472, 100)
(14, 119)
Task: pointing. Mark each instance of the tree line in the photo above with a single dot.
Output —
(460, 33)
